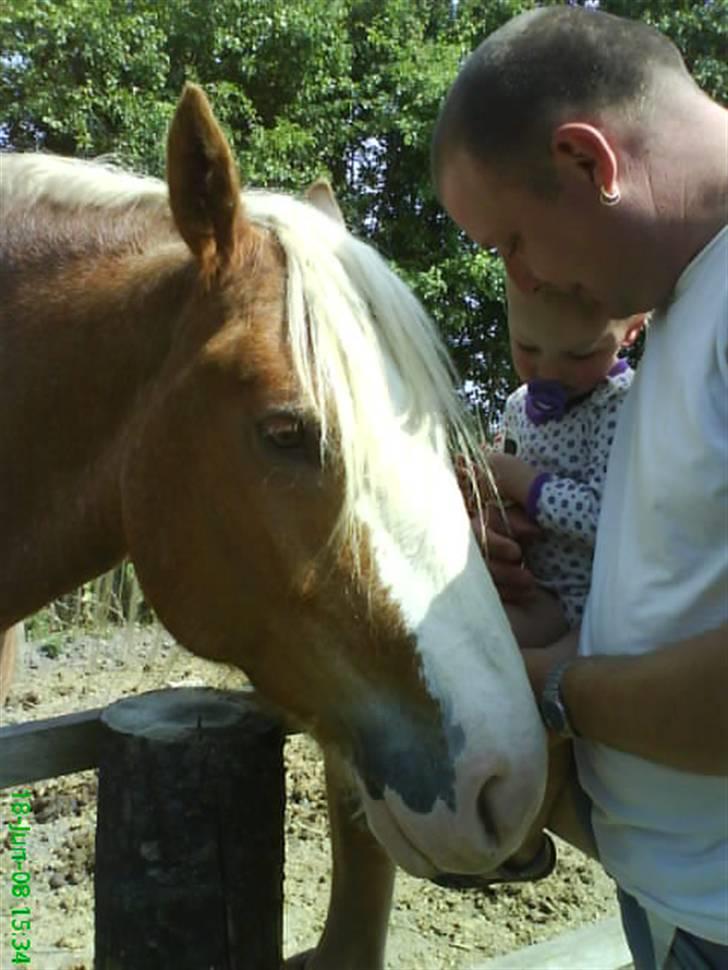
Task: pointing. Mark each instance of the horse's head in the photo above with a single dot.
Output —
(292, 508)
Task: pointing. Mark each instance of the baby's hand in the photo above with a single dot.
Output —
(512, 475)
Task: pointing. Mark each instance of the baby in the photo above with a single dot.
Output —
(557, 433)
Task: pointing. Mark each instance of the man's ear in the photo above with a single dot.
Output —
(581, 147)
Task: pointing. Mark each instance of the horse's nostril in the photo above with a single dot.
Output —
(486, 809)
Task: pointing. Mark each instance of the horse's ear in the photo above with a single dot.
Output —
(321, 196)
(204, 192)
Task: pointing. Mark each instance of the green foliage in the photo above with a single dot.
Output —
(110, 600)
(348, 89)
(699, 29)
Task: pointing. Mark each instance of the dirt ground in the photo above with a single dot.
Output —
(431, 928)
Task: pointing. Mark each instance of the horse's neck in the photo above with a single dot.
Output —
(82, 342)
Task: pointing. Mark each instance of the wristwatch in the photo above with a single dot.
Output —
(553, 709)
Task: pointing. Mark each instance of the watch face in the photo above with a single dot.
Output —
(553, 715)
(553, 710)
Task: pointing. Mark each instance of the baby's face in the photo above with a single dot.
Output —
(557, 339)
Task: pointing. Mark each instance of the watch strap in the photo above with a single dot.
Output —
(552, 695)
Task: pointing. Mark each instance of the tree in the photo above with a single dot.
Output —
(350, 90)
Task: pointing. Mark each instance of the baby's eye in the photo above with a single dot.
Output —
(584, 356)
(527, 348)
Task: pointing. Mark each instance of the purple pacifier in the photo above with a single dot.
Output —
(545, 401)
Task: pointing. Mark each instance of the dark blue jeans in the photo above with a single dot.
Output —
(687, 952)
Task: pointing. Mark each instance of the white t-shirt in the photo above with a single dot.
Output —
(661, 575)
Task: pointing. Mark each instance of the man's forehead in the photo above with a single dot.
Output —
(470, 192)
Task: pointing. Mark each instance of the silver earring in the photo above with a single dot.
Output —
(610, 198)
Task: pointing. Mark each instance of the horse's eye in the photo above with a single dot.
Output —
(284, 430)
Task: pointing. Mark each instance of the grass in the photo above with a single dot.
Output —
(110, 601)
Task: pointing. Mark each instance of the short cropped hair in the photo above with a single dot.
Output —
(537, 70)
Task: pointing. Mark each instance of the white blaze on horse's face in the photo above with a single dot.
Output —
(458, 797)
(447, 745)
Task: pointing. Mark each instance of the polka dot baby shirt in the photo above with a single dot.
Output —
(571, 454)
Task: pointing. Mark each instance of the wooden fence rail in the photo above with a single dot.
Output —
(55, 746)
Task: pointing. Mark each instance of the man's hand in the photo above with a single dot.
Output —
(501, 544)
(541, 661)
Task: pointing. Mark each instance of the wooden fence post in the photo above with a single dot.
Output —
(189, 839)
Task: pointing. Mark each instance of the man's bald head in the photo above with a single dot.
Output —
(542, 68)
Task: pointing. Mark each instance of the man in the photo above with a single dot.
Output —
(577, 144)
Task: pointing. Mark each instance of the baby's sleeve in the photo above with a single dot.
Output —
(566, 506)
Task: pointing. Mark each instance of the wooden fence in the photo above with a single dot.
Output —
(189, 847)
(189, 840)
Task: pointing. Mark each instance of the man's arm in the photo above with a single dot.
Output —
(668, 706)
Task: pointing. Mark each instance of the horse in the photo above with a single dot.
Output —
(234, 391)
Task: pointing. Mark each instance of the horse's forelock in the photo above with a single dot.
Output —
(351, 320)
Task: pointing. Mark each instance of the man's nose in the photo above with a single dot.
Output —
(521, 275)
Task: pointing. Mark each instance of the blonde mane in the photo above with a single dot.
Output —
(350, 320)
